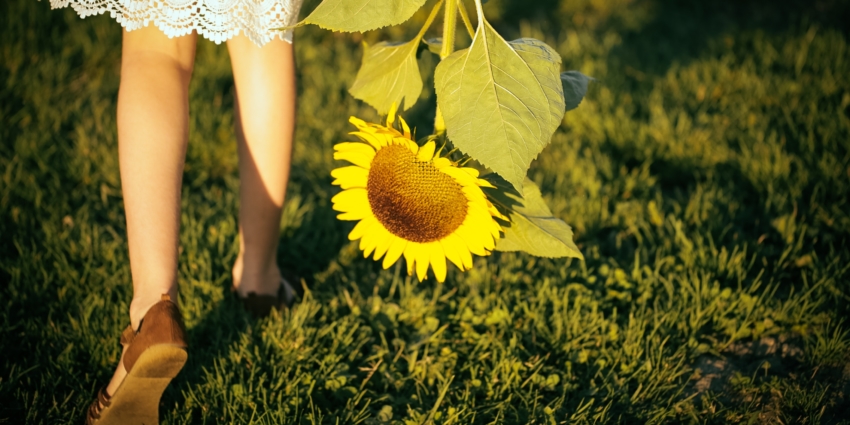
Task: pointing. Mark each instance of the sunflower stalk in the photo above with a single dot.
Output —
(449, 28)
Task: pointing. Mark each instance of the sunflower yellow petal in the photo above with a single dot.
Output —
(384, 240)
(476, 220)
(423, 259)
(451, 247)
(438, 261)
(395, 251)
(354, 215)
(410, 144)
(485, 228)
(495, 230)
(478, 239)
(472, 239)
(474, 236)
(426, 152)
(376, 140)
(369, 241)
(350, 176)
(479, 210)
(452, 256)
(362, 228)
(442, 162)
(471, 171)
(391, 114)
(410, 253)
(358, 122)
(422, 269)
(357, 158)
(460, 176)
(405, 127)
(474, 194)
(495, 211)
(485, 183)
(465, 256)
(483, 217)
(349, 199)
(361, 147)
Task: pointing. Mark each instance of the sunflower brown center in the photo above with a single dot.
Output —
(413, 199)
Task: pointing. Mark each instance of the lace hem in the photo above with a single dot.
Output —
(216, 20)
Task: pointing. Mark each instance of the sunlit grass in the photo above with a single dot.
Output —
(706, 174)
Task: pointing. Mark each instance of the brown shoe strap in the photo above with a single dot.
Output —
(97, 406)
(128, 336)
(103, 397)
(93, 413)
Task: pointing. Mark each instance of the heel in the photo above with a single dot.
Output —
(160, 361)
(137, 399)
(153, 356)
(162, 325)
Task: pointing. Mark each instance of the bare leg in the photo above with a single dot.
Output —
(265, 123)
(153, 126)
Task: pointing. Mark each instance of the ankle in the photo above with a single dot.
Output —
(260, 277)
(143, 302)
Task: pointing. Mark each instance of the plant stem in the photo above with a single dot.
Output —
(449, 27)
(479, 8)
(429, 21)
(465, 16)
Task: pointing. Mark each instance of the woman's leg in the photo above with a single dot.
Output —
(265, 123)
(153, 127)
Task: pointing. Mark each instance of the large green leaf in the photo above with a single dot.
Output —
(362, 15)
(389, 74)
(533, 228)
(501, 101)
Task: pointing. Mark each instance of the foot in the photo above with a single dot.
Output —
(261, 291)
(263, 280)
(138, 310)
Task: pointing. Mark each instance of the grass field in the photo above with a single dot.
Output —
(706, 176)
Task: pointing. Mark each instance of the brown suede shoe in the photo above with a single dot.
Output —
(153, 356)
(261, 306)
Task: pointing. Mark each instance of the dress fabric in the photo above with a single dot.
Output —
(216, 20)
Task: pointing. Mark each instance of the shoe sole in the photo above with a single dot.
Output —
(136, 401)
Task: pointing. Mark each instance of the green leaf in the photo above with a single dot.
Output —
(501, 101)
(575, 87)
(533, 228)
(362, 15)
(389, 74)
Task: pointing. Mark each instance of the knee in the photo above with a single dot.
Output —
(149, 50)
(153, 63)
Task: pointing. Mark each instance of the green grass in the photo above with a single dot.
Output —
(706, 175)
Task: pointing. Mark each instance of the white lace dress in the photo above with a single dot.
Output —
(217, 20)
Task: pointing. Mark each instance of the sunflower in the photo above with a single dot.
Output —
(409, 200)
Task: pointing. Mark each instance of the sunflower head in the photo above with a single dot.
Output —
(410, 200)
